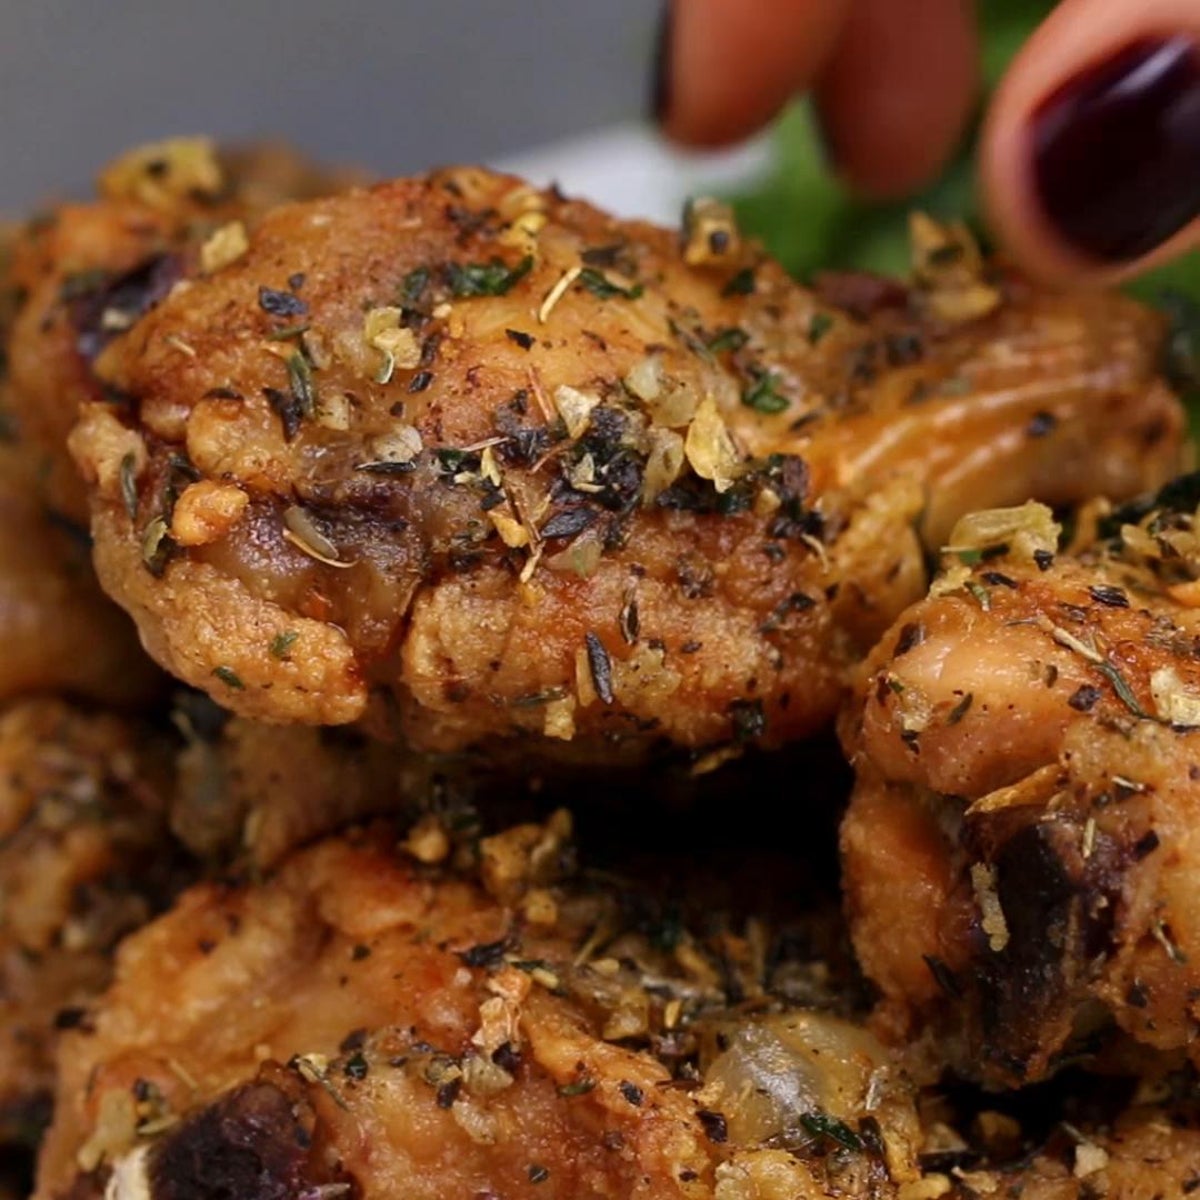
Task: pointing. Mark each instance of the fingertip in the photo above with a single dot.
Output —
(724, 68)
(898, 91)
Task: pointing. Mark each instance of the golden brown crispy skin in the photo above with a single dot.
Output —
(364, 1022)
(82, 272)
(519, 465)
(84, 859)
(1019, 852)
(60, 633)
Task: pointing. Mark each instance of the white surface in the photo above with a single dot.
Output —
(633, 173)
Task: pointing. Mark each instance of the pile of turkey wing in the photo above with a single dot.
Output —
(444, 505)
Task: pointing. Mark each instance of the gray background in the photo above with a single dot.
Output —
(396, 87)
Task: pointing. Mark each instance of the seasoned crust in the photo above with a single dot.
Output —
(438, 1037)
(532, 470)
(84, 859)
(1018, 854)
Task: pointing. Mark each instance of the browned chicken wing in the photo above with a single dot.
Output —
(365, 1026)
(1019, 850)
(529, 469)
(84, 859)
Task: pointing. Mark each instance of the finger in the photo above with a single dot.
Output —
(1091, 151)
(726, 67)
(898, 90)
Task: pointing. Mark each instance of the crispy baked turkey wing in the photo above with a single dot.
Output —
(1019, 850)
(531, 470)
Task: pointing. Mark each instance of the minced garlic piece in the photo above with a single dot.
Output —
(948, 264)
(206, 512)
(512, 532)
(427, 841)
(710, 233)
(1174, 701)
(223, 247)
(559, 719)
(983, 883)
(710, 449)
(163, 173)
(1089, 1158)
(575, 408)
(1025, 530)
(663, 463)
(382, 331)
(401, 445)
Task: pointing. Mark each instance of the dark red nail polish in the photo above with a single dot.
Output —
(1117, 150)
(660, 69)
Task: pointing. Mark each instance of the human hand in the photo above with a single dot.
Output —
(1089, 156)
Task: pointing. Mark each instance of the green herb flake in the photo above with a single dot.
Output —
(728, 339)
(1123, 690)
(129, 484)
(281, 643)
(356, 1066)
(156, 546)
(301, 380)
(580, 1087)
(415, 283)
(763, 395)
(961, 709)
(981, 594)
(603, 288)
(818, 326)
(742, 284)
(285, 332)
(821, 1124)
(229, 678)
(493, 278)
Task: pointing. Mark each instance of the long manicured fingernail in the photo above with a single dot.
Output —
(660, 68)
(1117, 150)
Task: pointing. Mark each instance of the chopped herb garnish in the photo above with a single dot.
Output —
(732, 338)
(1111, 597)
(715, 1127)
(1040, 424)
(157, 546)
(742, 284)
(494, 278)
(281, 643)
(603, 288)
(763, 395)
(538, 1173)
(287, 407)
(229, 678)
(748, 720)
(961, 709)
(356, 1066)
(580, 1087)
(415, 283)
(600, 666)
(821, 1124)
(449, 459)
(281, 304)
(567, 522)
(818, 326)
(1123, 690)
(631, 1092)
(129, 484)
(284, 332)
(1084, 698)
(301, 380)
(420, 381)
(981, 594)
(487, 954)
(524, 340)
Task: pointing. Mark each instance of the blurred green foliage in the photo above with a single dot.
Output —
(810, 222)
